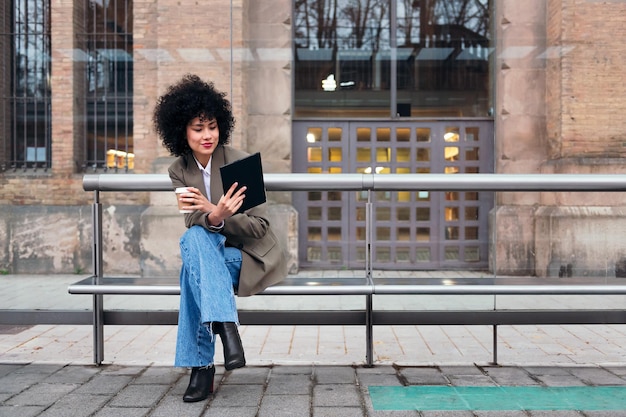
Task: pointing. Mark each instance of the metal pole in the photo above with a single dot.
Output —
(495, 344)
(369, 330)
(98, 300)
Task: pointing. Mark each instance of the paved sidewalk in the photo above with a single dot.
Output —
(314, 371)
(301, 371)
(62, 390)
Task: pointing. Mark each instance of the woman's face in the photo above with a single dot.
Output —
(203, 136)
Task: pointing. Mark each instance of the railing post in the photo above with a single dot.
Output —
(495, 344)
(369, 327)
(98, 300)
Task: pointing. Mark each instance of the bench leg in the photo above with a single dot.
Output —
(495, 345)
(98, 329)
(369, 332)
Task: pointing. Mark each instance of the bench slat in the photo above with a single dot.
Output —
(169, 286)
(361, 286)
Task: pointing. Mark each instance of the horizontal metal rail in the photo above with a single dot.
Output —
(170, 286)
(383, 182)
(347, 286)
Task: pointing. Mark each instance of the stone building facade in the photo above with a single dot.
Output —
(558, 90)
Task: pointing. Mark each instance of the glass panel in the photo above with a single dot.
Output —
(363, 134)
(471, 154)
(403, 234)
(422, 234)
(314, 195)
(471, 196)
(363, 155)
(383, 233)
(314, 170)
(471, 213)
(403, 196)
(471, 233)
(451, 213)
(334, 213)
(422, 214)
(423, 155)
(343, 58)
(334, 233)
(383, 214)
(314, 134)
(315, 233)
(452, 196)
(451, 153)
(403, 255)
(422, 254)
(334, 134)
(472, 254)
(383, 195)
(313, 254)
(314, 154)
(382, 155)
(452, 253)
(403, 134)
(452, 233)
(471, 134)
(335, 254)
(335, 196)
(314, 213)
(383, 134)
(422, 134)
(403, 214)
(335, 155)
(383, 254)
(403, 154)
(361, 196)
(423, 196)
(451, 134)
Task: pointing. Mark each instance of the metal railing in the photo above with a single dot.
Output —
(386, 182)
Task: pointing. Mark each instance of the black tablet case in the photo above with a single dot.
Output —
(249, 172)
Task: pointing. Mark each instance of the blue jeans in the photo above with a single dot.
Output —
(209, 273)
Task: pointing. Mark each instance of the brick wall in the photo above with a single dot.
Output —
(593, 79)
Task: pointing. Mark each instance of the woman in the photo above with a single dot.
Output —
(222, 252)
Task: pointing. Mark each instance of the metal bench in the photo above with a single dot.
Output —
(367, 286)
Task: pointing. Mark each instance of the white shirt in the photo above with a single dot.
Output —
(206, 176)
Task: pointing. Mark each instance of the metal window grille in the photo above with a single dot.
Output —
(25, 122)
(108, 88)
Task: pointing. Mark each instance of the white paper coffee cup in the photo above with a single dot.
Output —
(182, 205)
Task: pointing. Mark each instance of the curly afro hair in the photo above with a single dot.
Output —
(184, 101)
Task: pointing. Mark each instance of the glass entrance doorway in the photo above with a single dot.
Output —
(423, 230)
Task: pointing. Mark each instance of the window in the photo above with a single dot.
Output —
(362, 59)
(25, 123)
(108, 89)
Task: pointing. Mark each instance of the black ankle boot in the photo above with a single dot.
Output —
(233, 349)
(200, 384)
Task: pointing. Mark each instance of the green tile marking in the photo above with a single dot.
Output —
(446, 398)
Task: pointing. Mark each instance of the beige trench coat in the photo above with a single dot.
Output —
(264, 260)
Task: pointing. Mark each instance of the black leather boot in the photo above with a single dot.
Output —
(200, 384)
(233, 349)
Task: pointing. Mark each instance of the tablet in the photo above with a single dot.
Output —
(249, 172)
